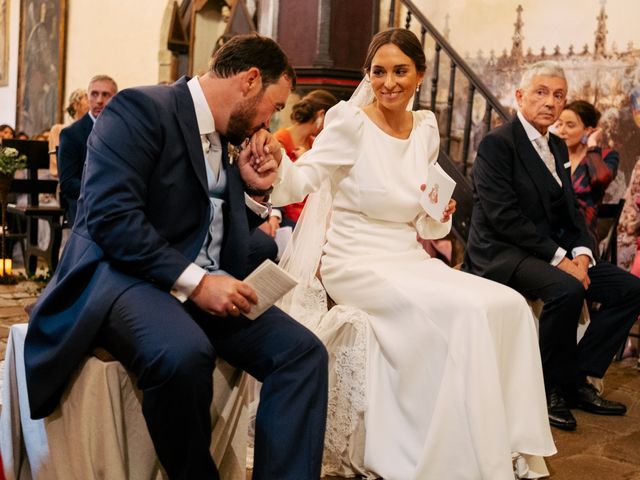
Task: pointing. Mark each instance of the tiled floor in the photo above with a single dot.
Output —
(603, 448)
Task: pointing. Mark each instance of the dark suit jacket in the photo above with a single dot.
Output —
(511, 215)
(71, 156)
(142, 217)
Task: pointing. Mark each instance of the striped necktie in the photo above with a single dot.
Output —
(211, 147)
(547, 157)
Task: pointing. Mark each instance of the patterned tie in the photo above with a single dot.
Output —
(211, 147)
(547, 157)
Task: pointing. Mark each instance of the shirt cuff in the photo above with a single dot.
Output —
(261, 209)
(276, 213)
(558, 256)
(584, 251)
(187, 282)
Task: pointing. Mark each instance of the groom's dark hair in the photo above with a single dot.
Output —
(242, 52)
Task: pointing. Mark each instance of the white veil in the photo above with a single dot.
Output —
(302, 256)
(343, 329)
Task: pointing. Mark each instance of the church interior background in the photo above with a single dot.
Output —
(596, 41)
(49, 48)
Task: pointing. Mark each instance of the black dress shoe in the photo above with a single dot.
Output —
(559, 414)
(588, 399)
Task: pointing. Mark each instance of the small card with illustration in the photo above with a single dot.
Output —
(439, 189)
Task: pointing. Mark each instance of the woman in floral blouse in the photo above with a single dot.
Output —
(592, 167)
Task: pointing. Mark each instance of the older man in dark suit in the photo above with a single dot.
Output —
(151, 270)
(527, 232)
(72, 150)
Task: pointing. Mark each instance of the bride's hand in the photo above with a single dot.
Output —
(451, 207)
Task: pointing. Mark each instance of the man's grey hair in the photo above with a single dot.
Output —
(105, 78)
(545, 68)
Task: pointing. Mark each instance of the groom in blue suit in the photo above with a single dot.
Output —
(152, 269)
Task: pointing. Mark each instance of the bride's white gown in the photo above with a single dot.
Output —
(453, 376)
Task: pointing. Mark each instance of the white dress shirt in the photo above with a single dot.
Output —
(533, 134)
(212, 150)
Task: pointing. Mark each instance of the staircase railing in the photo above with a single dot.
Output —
(493, 108)
(456, 63)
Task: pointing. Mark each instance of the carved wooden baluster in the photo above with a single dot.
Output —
(392, 13)
(467, 128)
(435, 77)
(407, 23)
(452, 87)
(416, 100)
(487, 119)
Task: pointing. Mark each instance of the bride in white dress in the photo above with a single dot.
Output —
(453, 376)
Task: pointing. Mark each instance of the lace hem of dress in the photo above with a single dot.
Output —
(344, 438)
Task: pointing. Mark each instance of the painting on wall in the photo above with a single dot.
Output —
(4, 42)
(596, 50)
(40, 65)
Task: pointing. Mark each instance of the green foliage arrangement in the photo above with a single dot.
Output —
(11, 161)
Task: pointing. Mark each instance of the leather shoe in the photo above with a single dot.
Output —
(588, 399)
(559, 414)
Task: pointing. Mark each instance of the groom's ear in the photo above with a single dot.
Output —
(251, 81)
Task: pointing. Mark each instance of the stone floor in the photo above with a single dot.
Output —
(13, 299)
(603, 448)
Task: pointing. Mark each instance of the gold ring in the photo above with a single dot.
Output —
(234, 308)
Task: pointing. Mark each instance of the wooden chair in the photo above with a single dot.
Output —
(37, 153)
(608, 217)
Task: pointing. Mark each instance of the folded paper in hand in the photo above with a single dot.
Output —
(439, 189)
(270, 282)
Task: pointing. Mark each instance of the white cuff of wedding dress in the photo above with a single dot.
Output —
(285, 163)
(431, 229)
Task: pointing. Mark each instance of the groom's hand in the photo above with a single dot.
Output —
(222, 295)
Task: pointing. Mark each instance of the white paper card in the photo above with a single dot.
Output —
(283, 237)
(436, 196)
(270, 282)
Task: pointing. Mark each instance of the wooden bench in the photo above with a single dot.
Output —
(37, 153)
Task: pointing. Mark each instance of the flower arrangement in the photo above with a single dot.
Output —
(11, 161)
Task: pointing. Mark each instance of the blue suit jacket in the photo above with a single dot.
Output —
(511, 216)
(142, 216)
(71, 156)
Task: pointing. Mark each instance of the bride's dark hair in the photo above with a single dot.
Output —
(402, 38)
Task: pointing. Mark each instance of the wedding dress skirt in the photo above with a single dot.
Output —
(437, 370)
(453, 381)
